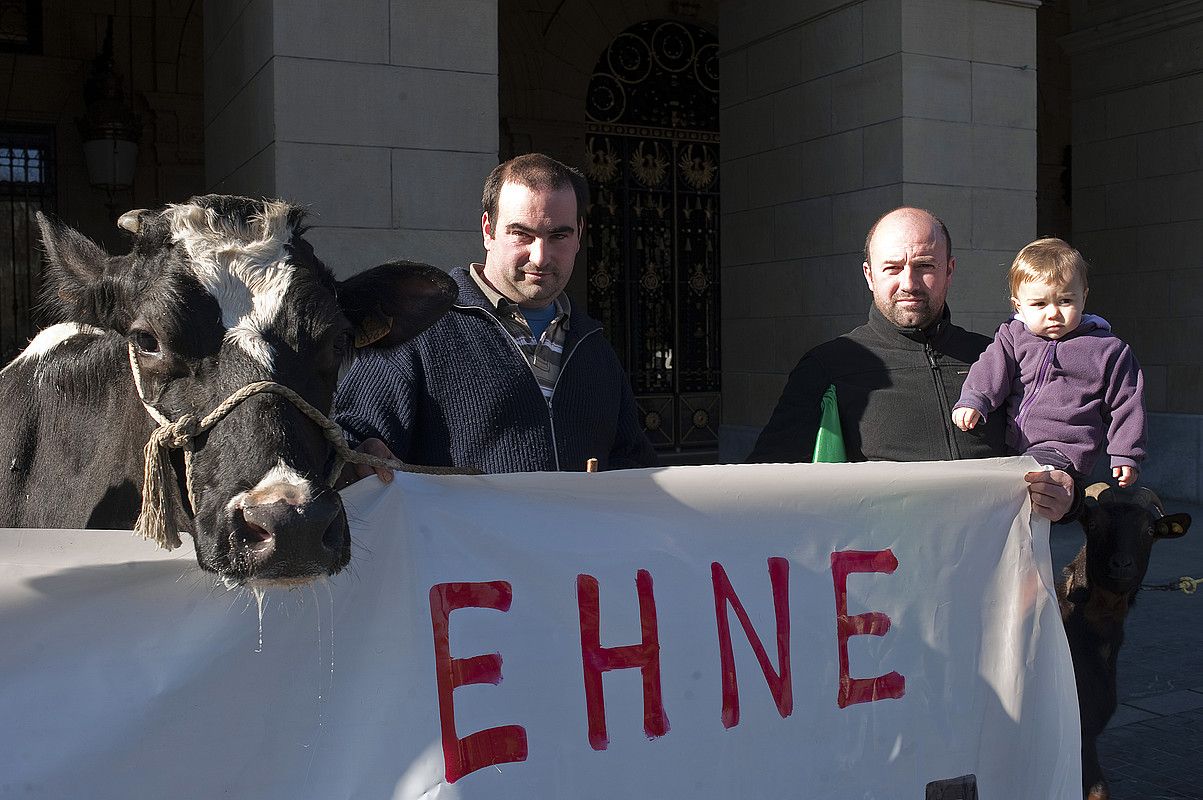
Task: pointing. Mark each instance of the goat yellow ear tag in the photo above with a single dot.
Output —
(373, 328)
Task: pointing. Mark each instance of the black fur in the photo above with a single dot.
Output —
(74, 428)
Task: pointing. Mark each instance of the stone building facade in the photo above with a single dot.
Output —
(1010, 119)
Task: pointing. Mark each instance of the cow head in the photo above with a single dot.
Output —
(218, 293)
(1121, 526)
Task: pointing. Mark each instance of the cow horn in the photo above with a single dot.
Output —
(1095, 489)
(131, 220)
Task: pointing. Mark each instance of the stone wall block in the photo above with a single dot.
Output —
(239, 55)
(980, 286)
(937, 152)
(375, 105)
(881, 28)
(1089, 208)
(937, 88)
(776, 62)
(1109, 251)
(438, 190)
(437, 35)
(1107, 161)
(747, 127)
(1184, 389)
(1170, 151)
(1003, 34)
(802, 112)
(1004, 158)
(1004, 95)
(733, 67)
(882, 153)
(325, 30)
(1088, 120)
(1159, 105)
(867, 94)
(243, 128)
(219, 19)
(350, 250)
(854, 212)
(1170, 245)
(802, 229)
(952, 204)
(747, 237)
(938, 27)
(775, 176)
(1003, 219)
(831, 43)
(344, 186)
(833, 164)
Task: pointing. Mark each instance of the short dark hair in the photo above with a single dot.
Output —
(914, 210)
(534, 171)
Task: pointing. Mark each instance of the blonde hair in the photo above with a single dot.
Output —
(1049, 260)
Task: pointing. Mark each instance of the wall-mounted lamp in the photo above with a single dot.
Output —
(110, 129)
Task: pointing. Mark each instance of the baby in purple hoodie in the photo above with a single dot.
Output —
(1068, 385)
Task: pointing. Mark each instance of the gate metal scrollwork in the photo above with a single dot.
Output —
(653, 250)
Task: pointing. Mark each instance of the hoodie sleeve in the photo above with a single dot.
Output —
(990, 377)
(1125, 398)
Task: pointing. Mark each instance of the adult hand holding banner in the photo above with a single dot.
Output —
(827, 631)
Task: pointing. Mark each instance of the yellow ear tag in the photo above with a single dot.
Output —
(373, 328)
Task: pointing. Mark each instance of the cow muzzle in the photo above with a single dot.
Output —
(286, 542)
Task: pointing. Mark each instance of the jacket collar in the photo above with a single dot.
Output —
(910, 338)
(472, 298)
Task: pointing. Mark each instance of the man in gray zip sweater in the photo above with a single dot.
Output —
(513, 378)
(898, 376)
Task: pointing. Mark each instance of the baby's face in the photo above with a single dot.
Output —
(1050, 311)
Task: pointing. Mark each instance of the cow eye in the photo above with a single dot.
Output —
(144, 341)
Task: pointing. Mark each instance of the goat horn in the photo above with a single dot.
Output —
(1095, 489)
(131, 220)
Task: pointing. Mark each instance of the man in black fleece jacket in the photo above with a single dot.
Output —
(513, 378)
(898, 376)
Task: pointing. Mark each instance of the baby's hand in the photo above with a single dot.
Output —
(965, 418)
(1125, 475)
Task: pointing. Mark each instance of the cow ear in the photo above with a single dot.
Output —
(75, 273)
(1171, 526)
(394, 302)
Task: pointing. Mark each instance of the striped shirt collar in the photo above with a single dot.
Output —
(500, 303)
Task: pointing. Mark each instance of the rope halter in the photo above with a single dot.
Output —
(159, 507)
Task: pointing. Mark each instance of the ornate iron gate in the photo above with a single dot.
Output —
(27, 185)
(653, 246)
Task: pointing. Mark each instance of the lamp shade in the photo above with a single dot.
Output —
(111, 162)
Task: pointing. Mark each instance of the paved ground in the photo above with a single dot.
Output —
(1153, 748)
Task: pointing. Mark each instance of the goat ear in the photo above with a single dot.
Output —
(75, 286)
(394, 302)
(1171, 526)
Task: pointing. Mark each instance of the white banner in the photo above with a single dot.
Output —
(819, 631)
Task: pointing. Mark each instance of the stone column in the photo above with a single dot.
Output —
(380, 116)
(834, 113)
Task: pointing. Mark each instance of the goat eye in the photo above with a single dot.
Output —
(144, 341)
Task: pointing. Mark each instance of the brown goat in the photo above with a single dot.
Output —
(1095, 592)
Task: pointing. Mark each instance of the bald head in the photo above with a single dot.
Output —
(908, 266)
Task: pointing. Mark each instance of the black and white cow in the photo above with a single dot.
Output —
(215, 294)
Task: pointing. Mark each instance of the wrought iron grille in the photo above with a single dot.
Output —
(27, 185)
(653, 246)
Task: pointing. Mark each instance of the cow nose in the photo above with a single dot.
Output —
(284, 536)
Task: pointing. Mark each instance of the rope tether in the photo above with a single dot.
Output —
(158, 505)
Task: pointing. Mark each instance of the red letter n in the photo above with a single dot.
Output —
(492, 745)
(780, 683)
(874, 623)
(597, 659)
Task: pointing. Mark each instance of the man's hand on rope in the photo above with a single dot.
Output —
(353, 472)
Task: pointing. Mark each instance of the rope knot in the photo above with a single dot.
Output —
(179, 433)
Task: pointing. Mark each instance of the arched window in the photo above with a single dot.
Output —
(653, 251)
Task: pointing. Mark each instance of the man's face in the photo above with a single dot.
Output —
(909, 270)
(532, 244)
(1050, 310)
